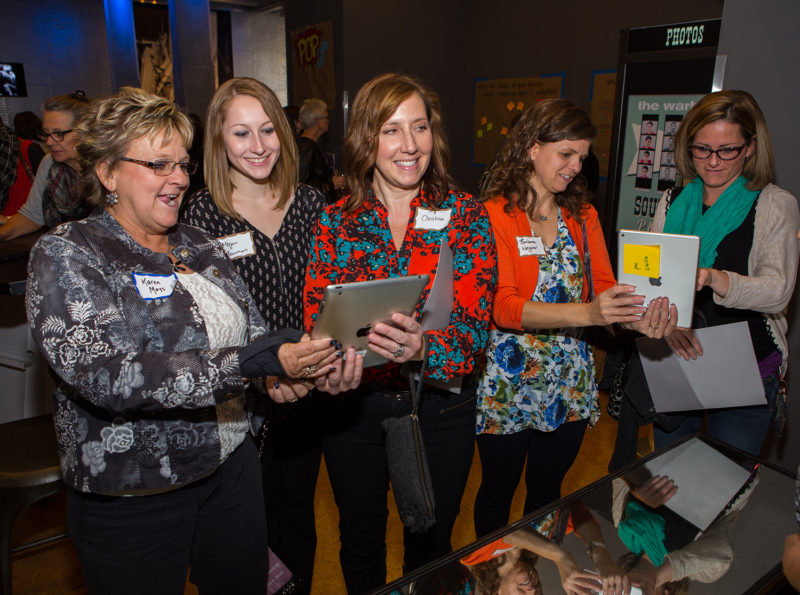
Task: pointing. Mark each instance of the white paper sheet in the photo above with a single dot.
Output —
(726, 375)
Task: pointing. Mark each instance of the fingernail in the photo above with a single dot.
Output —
(331, 369)
(338, 345)
(339, 354)
(333, 343)
(276, 384)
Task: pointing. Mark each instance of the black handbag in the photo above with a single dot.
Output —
(408, 464)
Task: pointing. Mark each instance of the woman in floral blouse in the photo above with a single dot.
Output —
(403, 210)
(537, 393)
(153, 336)
(265, 220)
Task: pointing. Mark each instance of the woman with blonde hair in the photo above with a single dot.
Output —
(153, 336)
(748, 253)
(254, 205)
(403, 211)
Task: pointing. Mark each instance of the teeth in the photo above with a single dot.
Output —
(407, 163)
(256, 160)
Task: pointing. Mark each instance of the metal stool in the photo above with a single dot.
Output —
(29, 471)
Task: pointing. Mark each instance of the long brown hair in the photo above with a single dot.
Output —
(549, 121)
(284, 175)
(374, 104)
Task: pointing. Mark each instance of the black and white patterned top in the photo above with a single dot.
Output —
(275, 274)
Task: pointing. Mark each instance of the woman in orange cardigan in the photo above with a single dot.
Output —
(538, 393)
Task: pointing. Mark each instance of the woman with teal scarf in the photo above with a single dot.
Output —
(748, 251)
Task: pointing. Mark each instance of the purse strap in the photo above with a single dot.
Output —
(417, 379)
(587, 260)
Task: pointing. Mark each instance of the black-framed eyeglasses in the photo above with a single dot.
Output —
(165, 168)
(725, 153)
(58, 135)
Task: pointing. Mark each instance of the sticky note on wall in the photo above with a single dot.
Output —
(641, 260)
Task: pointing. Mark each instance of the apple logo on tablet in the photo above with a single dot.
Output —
(364, 330)
(655, 282)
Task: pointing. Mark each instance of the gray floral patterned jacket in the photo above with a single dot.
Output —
(135, 408)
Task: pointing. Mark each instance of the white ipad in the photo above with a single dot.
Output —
(350, 310)
(660, 265)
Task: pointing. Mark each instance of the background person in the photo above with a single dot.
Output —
(397, 159)
(153, 334)
(314, 168)
(54, 196)
(537, 392)
(254, 201)
(748, 253)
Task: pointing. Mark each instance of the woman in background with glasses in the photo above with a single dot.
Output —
(153, 336)
(748, 252)
(53, 198)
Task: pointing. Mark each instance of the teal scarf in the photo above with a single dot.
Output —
(685, 215)
(643, 531)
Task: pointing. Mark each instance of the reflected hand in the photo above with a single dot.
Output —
(656, 491)
(616, 304)
(309, 358)
(400, 341)
(660, 319)
(684, 344)
(575, 581)
(286, 391)
(791, 560)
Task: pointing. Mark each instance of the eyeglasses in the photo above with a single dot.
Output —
(725, 153)
(58, 135)
(165, 168)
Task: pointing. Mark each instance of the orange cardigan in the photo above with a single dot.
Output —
(518, 275)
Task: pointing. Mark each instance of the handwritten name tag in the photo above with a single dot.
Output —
(153, 287)
(530, 246)
(432, 219)
(238, 245)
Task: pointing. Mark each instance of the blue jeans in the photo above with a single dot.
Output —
(742, 427)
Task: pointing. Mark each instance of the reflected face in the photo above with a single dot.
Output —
(556, 164)
(64, 150)
(518, 578)
(251, 142)
(715, 172)
(405, 144)
(148, 204)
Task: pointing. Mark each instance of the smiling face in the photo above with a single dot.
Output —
(64, 150)
(717, 174)
(251, 142)
(148, 204)
(556, 165)
(404, 149)
(517, 577)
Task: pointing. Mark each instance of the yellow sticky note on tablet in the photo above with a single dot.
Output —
(641, 260)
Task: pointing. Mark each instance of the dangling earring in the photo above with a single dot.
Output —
(112, 198)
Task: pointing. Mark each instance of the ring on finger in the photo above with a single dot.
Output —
(399, 351)
(309, 370)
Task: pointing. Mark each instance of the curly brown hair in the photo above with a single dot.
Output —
(487, 575)
(374, 104)
(548, 121)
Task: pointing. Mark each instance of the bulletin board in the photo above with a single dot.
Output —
(604, 84)
(498, 101)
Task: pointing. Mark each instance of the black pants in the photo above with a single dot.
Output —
(549, 455)
(290, 462)
(356, 459)
(144, 544)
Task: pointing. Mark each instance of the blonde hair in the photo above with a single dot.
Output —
(111, 124)
(75, 103)
(737, 107)
(216, 168)
(374, 104)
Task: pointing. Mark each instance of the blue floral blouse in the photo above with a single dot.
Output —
(543, 378)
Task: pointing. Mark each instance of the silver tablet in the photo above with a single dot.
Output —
(350, 310)
(660, 265)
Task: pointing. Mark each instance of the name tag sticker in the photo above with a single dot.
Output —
(432, 219)
(153, 287)
(530, 246)
(238, 245)
(641, 260)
